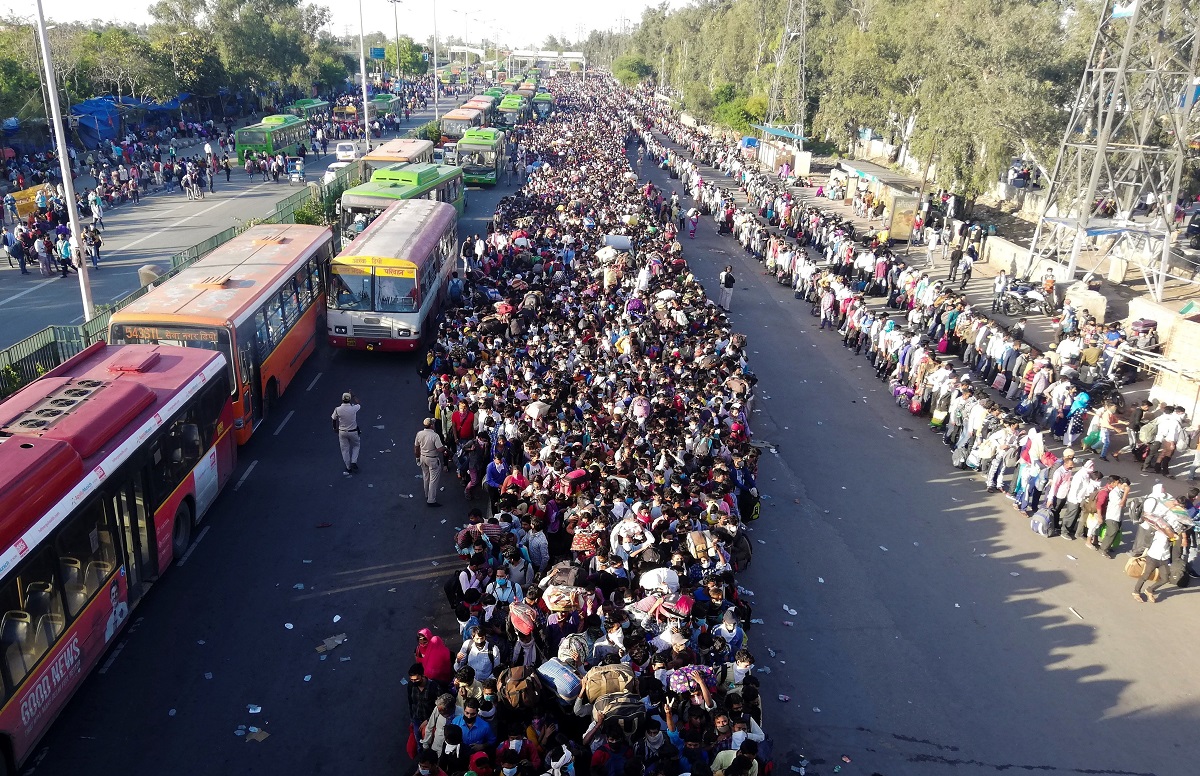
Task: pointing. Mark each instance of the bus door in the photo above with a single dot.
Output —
(129, 509)
(251, 388)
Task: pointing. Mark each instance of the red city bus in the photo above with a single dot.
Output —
(107, 462)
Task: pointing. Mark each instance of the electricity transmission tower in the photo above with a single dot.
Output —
(1123, 153)
(774, 99)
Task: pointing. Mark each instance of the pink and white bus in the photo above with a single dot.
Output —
(107, 463)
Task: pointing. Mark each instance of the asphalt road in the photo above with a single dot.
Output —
(955, 650)
(148, 233)
(211, 637)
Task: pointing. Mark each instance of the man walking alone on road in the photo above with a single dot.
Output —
(345, 425)
(727, 280)
(428, 450)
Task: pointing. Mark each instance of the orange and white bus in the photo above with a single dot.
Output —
(455, 123)
(387, 286)
(402, 149)
(107, 464)
(258, 299)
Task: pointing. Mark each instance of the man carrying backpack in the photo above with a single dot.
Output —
(480, 654)
(455, 290)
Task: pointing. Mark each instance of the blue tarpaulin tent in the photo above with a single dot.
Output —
(99, 120)
(100, 117)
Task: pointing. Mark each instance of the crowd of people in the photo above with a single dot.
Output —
(998, 401)
(594, 402)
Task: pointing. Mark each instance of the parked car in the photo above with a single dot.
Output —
(331, 172)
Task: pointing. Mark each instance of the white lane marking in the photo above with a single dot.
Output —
(314, 382)
(29, 290)
(126, 247)
(185, 219)
(284, 423)
(112, 658)
(191, 549)
(249, 469)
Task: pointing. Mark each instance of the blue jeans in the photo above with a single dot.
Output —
(1105, 441)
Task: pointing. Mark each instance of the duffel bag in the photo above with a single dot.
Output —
(560, 679)
(520, 687)
(559, 598)
(623, 708)
(522, 616)
(603, 680)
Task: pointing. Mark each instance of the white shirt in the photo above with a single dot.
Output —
(346, 415)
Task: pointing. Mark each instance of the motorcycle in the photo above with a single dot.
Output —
(1099, 391)
(1022, 298)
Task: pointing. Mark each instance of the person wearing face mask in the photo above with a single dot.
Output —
(434, 738)
(422, 699)
(427, 764)
(504, 589)
(730, 630)
(478, 653)
(560, 762)
(477, 734)
(732, 676)
(518, 747)
(742, 760)
(655, 739)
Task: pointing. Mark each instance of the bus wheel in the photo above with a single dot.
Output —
(181, 531)
(271, 398)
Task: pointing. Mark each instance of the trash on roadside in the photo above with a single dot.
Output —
(288, 625)
(298, 586)
(253, 709)
(171, 713)
(333, 642)
(258, 735)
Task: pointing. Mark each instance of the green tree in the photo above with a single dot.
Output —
(631, 69)
(412, 59)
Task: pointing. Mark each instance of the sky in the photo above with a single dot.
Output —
(523, 22)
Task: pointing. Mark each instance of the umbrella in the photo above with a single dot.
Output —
(537, 409)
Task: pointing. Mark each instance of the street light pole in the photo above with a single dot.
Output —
(437, 85)
(396, 21)
(362, 67)
(64, 165)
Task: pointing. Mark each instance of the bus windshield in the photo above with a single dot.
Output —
(252, 136)
(455, 127)
(476, 159)
(350, 288)
(388, 290)
(201, 337)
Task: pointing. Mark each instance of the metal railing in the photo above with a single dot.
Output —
(23, 362)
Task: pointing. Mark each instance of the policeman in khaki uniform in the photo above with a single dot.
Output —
(428, 450)
(345, 424)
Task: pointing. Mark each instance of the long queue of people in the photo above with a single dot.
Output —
(995, 398)
(594, 402)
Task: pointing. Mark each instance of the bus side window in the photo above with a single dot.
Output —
(87, 555)
(289, 304)
(304, 284)
(262, 334)
(32, 618)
